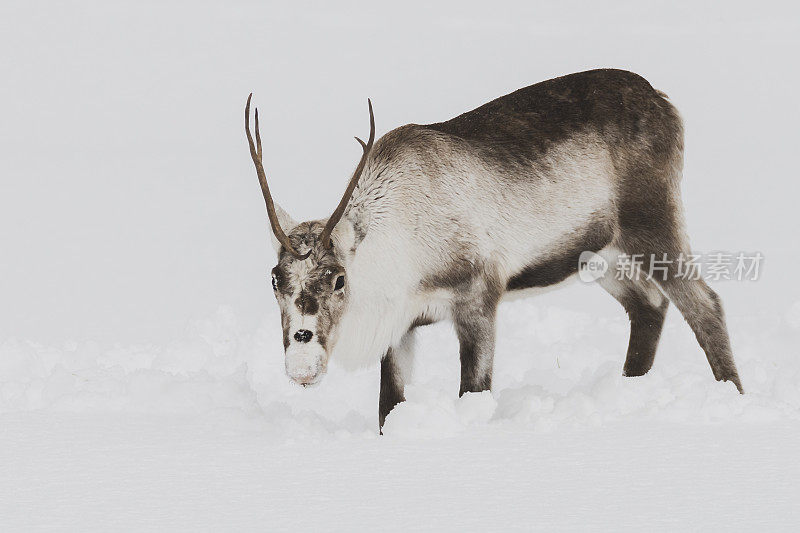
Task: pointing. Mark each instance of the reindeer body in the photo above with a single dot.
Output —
(448, 218)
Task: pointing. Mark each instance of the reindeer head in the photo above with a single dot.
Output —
(309, 281)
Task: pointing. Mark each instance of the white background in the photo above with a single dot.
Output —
(141, 373)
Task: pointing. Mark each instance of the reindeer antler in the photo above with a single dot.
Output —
(339, 211)
(255, 153)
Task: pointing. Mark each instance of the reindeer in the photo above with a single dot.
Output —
(440, 221)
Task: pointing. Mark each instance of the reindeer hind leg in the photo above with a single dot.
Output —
(651, 224)
(647, 309)
(664, 240)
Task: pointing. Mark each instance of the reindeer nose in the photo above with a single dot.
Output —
(303, 335)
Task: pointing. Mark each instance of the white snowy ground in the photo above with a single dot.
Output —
(207, 433)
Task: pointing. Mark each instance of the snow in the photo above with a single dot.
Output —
(145, 473)
(208, 433)
(142, 380)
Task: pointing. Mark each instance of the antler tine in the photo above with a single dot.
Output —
(258, 138)
(339, 211)
(262, 179)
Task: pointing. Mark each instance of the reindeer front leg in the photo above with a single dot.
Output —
(475, 327)
(396, 367)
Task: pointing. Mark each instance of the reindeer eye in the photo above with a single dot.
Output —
(339, 283)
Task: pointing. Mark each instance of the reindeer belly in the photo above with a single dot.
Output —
(562, 261)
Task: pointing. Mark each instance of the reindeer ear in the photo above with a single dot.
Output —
(349, 233)
(287, 225)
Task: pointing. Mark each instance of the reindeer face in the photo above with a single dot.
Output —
(309, 280)
(312, 294)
